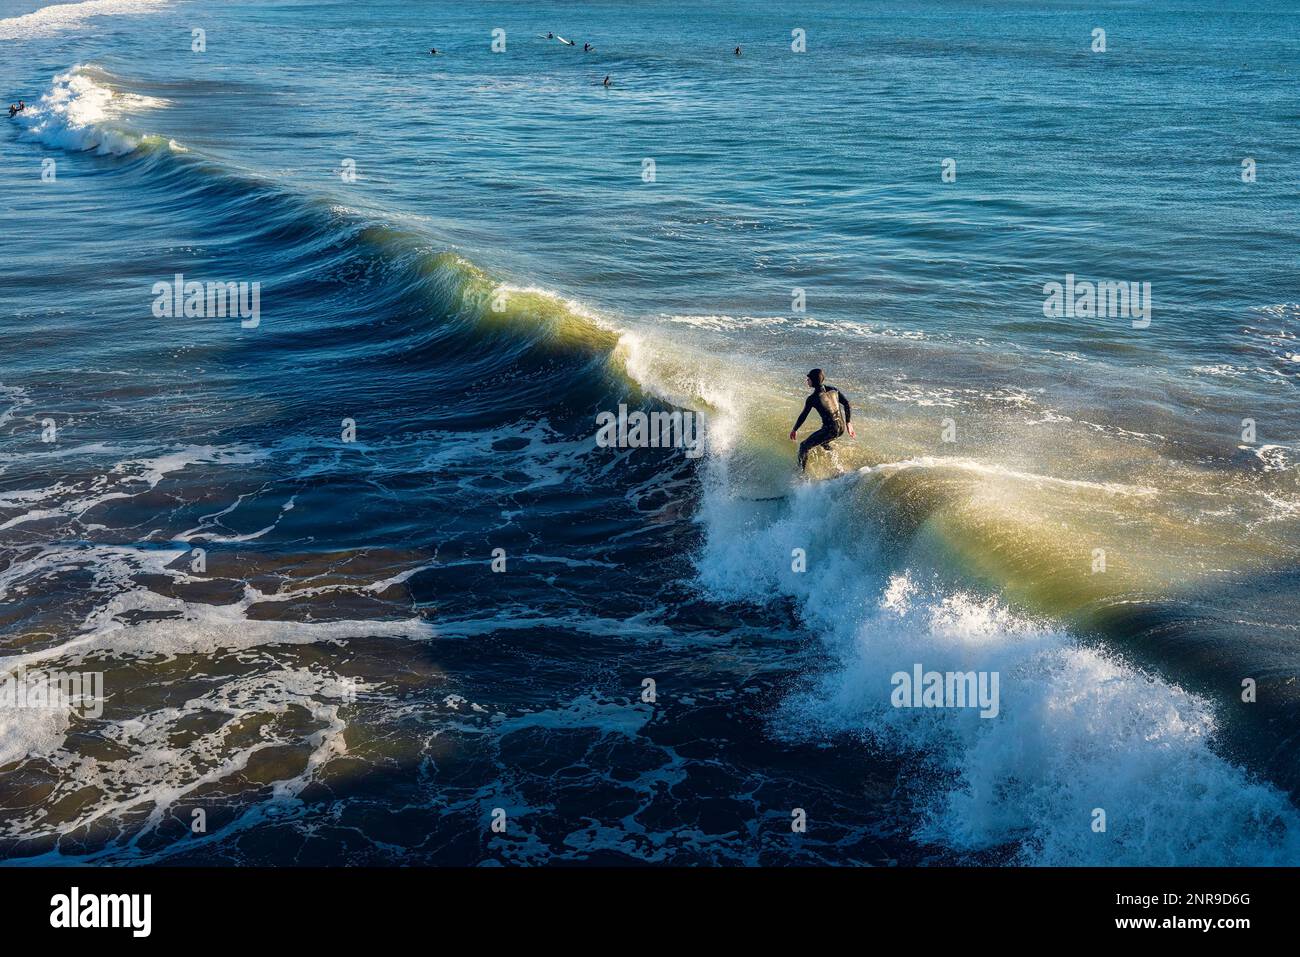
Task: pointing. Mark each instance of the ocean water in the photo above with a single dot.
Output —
(368, 651)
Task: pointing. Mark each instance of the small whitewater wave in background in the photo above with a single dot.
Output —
(59, 17)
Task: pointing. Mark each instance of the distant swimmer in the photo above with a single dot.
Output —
(833, 407)
(587, 48)
(433, 51)
(737, 51)
(607, 81)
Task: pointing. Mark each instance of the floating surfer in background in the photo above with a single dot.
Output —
(835, 411)
(737, 51)
(587, 48)
(607, 81)
(433, 51)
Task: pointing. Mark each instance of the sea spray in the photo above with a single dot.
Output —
(1076, 728)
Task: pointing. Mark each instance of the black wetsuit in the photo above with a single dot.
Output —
(827, 400)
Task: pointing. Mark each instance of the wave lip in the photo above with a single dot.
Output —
(59, 17)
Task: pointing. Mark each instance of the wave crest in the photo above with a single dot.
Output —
(82, 112)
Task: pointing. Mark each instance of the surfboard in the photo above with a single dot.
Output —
(569, 42)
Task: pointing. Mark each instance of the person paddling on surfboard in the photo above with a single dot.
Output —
(833, 407)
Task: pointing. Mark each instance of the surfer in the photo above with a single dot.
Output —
(14, 110)
(833, 407)
(433, 51)
(606, 81)
(737, 51)
(586, 48)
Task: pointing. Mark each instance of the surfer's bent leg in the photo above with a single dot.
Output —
(822, 436)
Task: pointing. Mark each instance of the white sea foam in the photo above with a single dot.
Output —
(1274, 458)
(164, 778)
(718, 323)
(124, 480)
(1077, 730)
(131, 621)
(136, 622)
(31, 730)
(725, 323)
(59, 17)
(83, 112)
(14, 398)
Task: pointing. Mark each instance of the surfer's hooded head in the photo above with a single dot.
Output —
(816, 377)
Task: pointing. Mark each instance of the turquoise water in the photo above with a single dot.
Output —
(798, 215)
